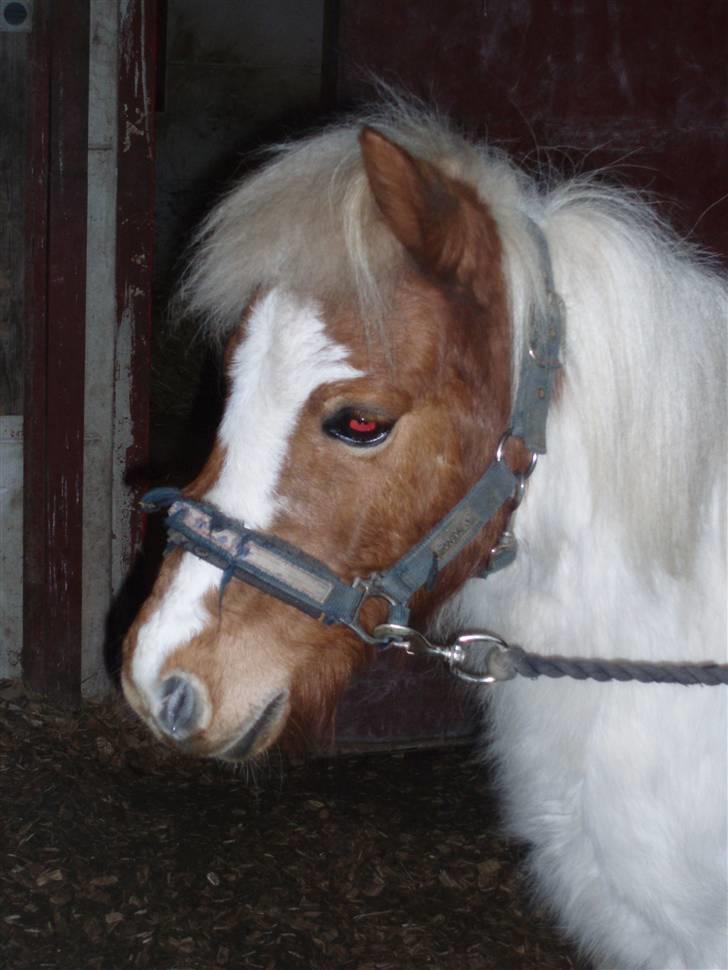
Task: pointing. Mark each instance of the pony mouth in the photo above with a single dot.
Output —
(258, 734)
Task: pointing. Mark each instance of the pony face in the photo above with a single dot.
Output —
(347, 441)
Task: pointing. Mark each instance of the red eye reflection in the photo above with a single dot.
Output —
(362, 425)
(353, 427)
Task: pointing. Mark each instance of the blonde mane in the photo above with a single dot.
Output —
(307, 219)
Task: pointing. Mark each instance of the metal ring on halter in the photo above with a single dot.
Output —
(374, 638)
(518, 492)
(501, 449)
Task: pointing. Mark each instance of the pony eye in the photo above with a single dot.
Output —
(357, 427)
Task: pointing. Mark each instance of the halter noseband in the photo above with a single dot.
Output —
(283, 570)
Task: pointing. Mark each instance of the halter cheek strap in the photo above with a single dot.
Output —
(541, 359)
(286, 572)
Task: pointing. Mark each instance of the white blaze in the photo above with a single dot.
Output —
(284, 357)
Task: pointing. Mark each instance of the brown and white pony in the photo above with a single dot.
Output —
(374, 284)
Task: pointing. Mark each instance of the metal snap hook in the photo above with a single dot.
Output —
(411, 641)
(403, 637)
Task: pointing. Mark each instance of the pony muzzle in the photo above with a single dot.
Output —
(184, 713)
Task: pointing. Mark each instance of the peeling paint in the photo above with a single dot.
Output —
(123, 442)
(133, 25)
(132, 128)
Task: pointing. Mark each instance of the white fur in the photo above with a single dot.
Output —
(180, 616)
(284, 357)
(622, 789)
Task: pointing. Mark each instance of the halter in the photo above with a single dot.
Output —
(286, 572)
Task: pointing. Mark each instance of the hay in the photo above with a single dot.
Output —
(118, 853)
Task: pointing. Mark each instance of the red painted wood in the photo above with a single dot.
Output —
(644, 85)
(35, 519)
(138, 45)
(611, 81)
(55, 327)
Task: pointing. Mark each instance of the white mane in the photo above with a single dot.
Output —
(646, 317)
(645, 365)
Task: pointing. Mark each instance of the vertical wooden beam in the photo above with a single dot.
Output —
(138, 28)
(100, 341)
(35, 539)
(55, 321)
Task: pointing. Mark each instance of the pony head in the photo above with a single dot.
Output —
(359, 283)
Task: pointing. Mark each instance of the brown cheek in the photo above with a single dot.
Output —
(325, 668)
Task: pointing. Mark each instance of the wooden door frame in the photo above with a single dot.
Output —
(55, 577)
(54, 347)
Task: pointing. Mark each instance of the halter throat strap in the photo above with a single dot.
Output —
(286, 572)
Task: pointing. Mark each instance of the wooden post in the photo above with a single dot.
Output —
(54, 358)
(138, 28)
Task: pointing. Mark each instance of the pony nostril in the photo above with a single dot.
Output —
(180, 711)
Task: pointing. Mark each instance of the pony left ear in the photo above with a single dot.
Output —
(440, 221)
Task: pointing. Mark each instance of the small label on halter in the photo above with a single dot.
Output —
(456, 534)
(267, 561)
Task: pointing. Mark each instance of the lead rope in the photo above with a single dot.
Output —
(482, 658)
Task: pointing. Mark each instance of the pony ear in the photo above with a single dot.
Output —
(440, 221)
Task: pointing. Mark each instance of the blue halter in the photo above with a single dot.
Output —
(286, 572)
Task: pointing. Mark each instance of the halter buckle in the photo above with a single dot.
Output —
(397, 611)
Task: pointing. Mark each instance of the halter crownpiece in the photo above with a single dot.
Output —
(283, 570)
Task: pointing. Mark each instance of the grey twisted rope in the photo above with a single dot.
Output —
(535, 665)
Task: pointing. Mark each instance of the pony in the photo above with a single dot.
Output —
(376, 286)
